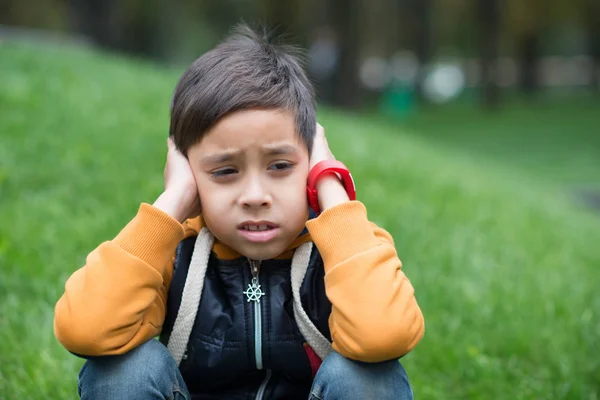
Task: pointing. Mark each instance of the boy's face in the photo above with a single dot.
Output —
(251, 170)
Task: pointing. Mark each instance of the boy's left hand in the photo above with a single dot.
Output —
(330, 188)
(320, 150)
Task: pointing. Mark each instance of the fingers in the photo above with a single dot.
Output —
(320, 130)
(172, 147)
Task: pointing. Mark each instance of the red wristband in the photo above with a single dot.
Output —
(324, 168)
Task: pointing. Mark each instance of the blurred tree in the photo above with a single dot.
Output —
(98, 20)
(45, 14)
(528, 53)
(488, 12)
(528, 21)
(591, 14)
(455, 26)
(280, 14)
(170, 20)
(134, 26)
(344, 16)
(421, 12)
(179, 30)
(524, 22)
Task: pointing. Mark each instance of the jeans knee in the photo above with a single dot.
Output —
(148, 366)
(342, 378)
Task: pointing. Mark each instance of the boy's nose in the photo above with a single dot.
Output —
(255, 195)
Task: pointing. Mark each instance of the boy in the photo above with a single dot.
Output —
(247, 302)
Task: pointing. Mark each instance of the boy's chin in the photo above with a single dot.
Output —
(260, 254)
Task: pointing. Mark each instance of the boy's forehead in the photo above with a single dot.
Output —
(268, 129)
(256, 119)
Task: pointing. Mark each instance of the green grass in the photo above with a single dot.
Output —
(556, 137)
(505, 267)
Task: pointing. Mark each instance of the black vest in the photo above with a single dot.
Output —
(220, 360)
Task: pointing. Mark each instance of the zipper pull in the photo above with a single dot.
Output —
(254, 268)
(254, 293)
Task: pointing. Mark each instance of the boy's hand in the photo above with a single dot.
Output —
(180, 199)
(320, 150)
(330, 188)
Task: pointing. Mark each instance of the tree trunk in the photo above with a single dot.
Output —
(168, 29)
(489, 26)
(96, 19)
(346, 88)
(422, 40)
(280, 15)
(528, 55)
(593, 38)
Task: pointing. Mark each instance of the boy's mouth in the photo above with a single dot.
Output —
(262, 227)
(258, 231)
(257, 226)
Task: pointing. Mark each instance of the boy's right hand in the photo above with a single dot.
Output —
(180, 199)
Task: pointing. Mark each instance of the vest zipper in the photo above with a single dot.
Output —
(254, 293)
(257, 334)
(263, 386)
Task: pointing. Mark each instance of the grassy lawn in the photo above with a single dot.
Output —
(556, 137)
(504, 265)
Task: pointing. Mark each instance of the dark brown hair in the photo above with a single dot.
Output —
(246, 71)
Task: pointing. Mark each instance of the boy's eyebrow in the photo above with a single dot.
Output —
(279, 149)
(217, 158)
(230, 155)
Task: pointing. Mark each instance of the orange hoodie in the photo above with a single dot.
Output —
(117, 301)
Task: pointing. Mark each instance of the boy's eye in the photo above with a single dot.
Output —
(223, 172)
(279, 166)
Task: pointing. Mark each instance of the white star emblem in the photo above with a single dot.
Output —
(254, 293)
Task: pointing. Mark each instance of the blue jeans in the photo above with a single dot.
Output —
(149, 372)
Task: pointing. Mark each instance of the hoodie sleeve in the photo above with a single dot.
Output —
(117, 300)
(375, 316)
